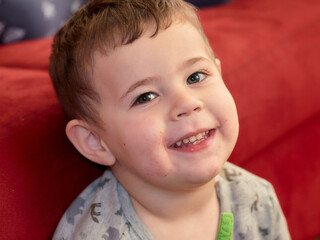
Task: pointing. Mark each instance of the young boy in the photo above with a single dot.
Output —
(144, 95)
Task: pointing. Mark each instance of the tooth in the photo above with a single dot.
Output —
(178, 143)
(199, 136)
(186, 140)
(192, 139)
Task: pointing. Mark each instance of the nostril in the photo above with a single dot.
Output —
(186, 107)
(197, 109)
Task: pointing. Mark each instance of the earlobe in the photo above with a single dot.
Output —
(88, 143)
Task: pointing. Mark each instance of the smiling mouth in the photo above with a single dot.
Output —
(192, 140)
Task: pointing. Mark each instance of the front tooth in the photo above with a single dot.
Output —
(192, 139)
(186, 140)
(199, 136)
(178, 143)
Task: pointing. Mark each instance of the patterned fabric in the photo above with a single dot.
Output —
(21, 19)
(253, 203)
(104, 210)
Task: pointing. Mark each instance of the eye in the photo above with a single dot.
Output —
(196, 77)
(145, 97)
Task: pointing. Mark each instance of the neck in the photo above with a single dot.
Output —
(188, 209)
(174, 205)
(170, 213)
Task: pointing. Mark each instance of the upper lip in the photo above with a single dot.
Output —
(190, 134)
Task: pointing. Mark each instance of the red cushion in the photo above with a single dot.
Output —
(292, 164)
(32, 54)
(40, 173)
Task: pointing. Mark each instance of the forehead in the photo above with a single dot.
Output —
(149, 55)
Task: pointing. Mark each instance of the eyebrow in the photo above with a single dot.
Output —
(191, 62)
(148, 80)
(137, 84)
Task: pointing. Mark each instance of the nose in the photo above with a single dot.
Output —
(183, 105)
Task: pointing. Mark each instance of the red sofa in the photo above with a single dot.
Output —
(270, 58)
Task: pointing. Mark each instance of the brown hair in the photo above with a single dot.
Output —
(103, 25)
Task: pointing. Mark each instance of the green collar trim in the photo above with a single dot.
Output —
(226, 226)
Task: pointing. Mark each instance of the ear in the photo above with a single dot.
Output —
(218, 63)
(88, 143)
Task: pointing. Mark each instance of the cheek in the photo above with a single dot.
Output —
(142, 136)
(144, 146)
(231, 123)
(224, 109)
(143, 129)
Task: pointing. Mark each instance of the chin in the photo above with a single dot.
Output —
(204, 176)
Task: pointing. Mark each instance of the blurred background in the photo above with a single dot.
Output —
(28, 19)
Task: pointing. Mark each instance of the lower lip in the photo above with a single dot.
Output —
(197, 147)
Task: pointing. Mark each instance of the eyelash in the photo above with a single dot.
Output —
(149, 96)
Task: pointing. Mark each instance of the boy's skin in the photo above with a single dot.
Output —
(172, 189)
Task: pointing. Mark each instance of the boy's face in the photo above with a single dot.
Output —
(169, 119)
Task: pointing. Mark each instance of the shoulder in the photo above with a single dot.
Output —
(242, 181)
(242, 188)
(253, 202)
(95, 212)
(231, 172)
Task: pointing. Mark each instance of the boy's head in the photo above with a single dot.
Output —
(145, 93)
(103, 25)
